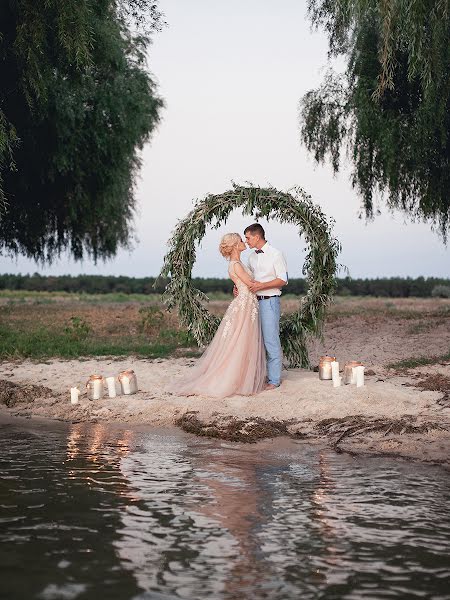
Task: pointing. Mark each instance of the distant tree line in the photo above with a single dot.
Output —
(393, 287)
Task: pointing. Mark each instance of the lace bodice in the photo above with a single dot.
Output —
(245, 305)
(236, 279)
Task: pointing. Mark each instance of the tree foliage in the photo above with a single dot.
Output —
(76, 107)
(390, 110)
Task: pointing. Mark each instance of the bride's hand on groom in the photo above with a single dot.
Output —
(255, 286)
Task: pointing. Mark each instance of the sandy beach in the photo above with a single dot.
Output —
(307, 406)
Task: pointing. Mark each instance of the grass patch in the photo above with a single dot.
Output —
(424, 326)
(418, 361)
(22, 296)
(78, 329)
(119, 298)
(46, 342)
(17, 294)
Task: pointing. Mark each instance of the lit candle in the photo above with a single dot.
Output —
(97, 389)
(74, 393)
(111, 382)
(325, 367)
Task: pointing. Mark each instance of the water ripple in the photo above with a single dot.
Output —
(102, 512)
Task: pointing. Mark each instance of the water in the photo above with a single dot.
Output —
(95, 511)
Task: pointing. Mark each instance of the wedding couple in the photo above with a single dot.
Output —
(235, 361)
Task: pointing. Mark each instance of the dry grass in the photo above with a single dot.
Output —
(248, 430)
(105, 320)
(339, 429)
(12, 393)
(436, 382)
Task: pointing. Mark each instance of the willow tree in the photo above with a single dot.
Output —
(390, 110)
(76, 106)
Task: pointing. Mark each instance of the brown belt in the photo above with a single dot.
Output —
(265, 297)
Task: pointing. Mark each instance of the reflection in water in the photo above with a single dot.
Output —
(61, 502)
(241, 504)
(94, 511)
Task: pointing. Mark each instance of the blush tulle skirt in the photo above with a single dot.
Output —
(235, 361)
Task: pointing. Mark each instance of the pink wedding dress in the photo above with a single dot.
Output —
(235, 361)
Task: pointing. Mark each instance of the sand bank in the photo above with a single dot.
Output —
(389, 415)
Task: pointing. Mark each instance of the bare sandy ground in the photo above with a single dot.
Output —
(302, 400)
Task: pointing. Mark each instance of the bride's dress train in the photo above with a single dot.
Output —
(235, 360)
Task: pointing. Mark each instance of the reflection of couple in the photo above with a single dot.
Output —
(235, 361)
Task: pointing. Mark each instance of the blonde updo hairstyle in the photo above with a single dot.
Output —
(227, 243)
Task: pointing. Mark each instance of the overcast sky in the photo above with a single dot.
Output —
(232, 74)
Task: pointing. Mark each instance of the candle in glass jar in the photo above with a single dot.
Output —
(325, 367)
(94, 386)
(349, 375)
(97, 389)
(128, 381)
(74, 393)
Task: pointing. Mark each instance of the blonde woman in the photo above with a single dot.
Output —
(235, 360)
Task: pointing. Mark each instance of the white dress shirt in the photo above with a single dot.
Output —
(267, 265)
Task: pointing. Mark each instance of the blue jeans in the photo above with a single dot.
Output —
(269, 311)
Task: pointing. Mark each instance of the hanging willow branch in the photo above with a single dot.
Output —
(319, 268)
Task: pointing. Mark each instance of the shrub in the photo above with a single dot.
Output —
(441, 291)
(77, 329)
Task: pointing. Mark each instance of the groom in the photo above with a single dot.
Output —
(269, 269)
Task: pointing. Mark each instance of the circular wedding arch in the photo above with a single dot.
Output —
(319, 268)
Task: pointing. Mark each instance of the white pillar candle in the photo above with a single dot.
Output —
(335, 373)
(111, 382)
(74, 393)
(97, 389)
(358, 376)
(337, 381)
(126, 384)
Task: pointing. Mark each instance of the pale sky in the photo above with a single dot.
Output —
(232, 74)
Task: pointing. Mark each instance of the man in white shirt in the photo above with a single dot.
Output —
(269, 269)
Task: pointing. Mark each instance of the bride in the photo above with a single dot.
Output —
(235, 360)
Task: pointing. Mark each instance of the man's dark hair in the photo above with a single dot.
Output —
(254, 229)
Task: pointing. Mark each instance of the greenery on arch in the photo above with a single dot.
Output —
(320, 265)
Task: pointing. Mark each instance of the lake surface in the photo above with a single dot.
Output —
(106, 512)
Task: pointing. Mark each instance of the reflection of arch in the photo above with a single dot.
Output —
(320, 264)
